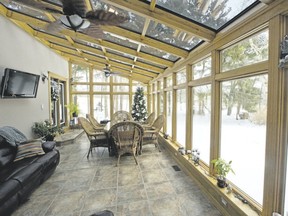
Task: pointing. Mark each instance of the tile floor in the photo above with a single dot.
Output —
(81, 187)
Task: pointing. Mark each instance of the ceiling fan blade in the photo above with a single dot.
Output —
(71, 7)
(94, 31)
(55, 27)
(102, 17)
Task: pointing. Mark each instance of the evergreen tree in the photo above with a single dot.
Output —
(139, 110)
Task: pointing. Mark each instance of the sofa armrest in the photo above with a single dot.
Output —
(48, 146)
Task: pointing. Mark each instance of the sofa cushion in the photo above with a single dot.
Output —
(13, 168)
(8, 189)
(7, 153)
(6, 156)
(29, 149)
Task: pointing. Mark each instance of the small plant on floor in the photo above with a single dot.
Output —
(46, 131)
(222, 168)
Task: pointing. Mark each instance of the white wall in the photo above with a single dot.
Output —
(19, 50)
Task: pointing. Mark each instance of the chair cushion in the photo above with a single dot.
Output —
(29, 149)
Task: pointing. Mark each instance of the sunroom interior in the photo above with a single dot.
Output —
(215, 69)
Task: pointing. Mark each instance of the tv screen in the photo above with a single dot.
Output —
(19, 84)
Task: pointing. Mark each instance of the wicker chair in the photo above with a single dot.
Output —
(97, 137)
(121, 116)
(151, 134)
(94, 122)
(149, 121)
(127, 137)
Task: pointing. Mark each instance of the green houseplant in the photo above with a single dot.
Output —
(73, 109)
(222, 168)
(45, 130)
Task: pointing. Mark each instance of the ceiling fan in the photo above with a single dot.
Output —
(107, 71)
(75, 16)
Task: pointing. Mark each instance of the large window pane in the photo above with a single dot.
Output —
(80, 73)
(243, 132)
(101, 88)
(202, 69)
(80, 88)
(161, 103)
(181, 116)
(181, 76)
(201, 121)
(121, 102)
(119, 79)
(101, 107)
(99, 76)
(169, 81)
(83, 101)
(249, 51)
(121, 88)
(155, 104)
(169, 103)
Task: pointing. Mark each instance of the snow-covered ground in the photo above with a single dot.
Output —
(242, 141)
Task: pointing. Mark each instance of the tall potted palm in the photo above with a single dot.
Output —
(73, 109)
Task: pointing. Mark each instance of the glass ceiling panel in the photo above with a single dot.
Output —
(93, 54)
(172, 36)
(146, 69)
(150, 63)
(24, 10)
(212, 13)
(136, 22)
(120, 53)
(87, 43)
(125, 63)
(158, 53)
(120, 41)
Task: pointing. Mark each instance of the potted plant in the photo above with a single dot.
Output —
(222, 168)
(73, 109)
(46, 131)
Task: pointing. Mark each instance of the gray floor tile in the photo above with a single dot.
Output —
(81, 186)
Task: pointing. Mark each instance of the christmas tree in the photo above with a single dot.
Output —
(139, 110)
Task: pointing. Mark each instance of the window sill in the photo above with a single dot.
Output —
(226, 203)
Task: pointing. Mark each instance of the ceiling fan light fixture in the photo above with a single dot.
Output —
(74, 22)
(107, 73)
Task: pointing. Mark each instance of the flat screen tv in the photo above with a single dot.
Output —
(19, 84)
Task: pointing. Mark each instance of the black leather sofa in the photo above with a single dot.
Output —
(18, 179)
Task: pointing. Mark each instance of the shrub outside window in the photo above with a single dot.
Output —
(249, 51)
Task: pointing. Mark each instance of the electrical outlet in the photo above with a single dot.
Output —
(224, 202)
